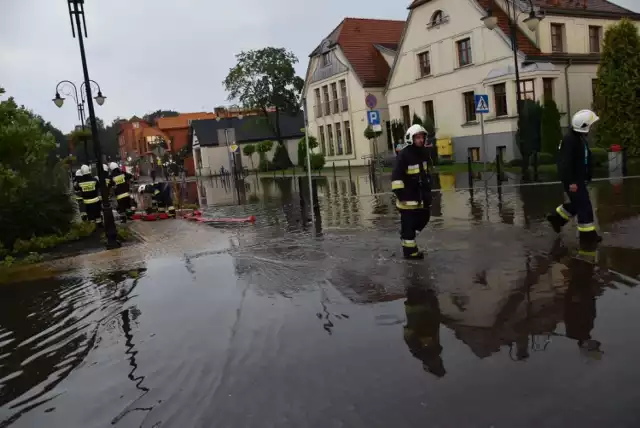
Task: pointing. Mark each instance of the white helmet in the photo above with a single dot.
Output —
(583, 120)
(85, 170)
(141, 188)
(412, 131)
(113, 166)
(79, 173)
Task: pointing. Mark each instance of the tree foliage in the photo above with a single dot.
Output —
(416, 119)
(263, 79)
(317, 161)
(370, 134)
(249, 150)
(528, 135)
(152, 117)
(302, 149)
(550, 132)
(263, 148)
(617, 100)
(34, 197)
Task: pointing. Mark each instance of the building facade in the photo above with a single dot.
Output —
(447, 55)
(351, 63)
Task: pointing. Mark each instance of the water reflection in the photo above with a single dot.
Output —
(47, 328)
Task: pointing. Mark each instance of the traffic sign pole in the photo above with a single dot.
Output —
(484, 142)
(482, 107)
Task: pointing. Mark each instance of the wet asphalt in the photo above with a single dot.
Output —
(291, 323)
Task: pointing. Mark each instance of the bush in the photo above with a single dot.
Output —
(266, 165)
(550, 132)
(546, 159)
(39, 243)
(599, 157)
(515, 163)
(317, 161)
(445, 162)
(302, 149)
(281, 158)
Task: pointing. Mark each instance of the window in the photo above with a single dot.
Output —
(500, 99)
(527, 90)
(325, 95)
(406, 116)
(318, 103)
(474, 154)
(326, 59)
(547, 88)
(428, 110)
(557, 37)
(323, 147)
(469, 106)
(136, 125)
(334, 91)
(595, 37)
(330, 140)
(464, 52)
(437, 17)
(343, 94)
(424, 63)
(347, 135)
(339, 139)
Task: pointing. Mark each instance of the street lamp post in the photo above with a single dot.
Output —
(513, 13)
(68, 88)
(76, 13)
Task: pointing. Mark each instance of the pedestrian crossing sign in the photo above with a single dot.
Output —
(482, 103)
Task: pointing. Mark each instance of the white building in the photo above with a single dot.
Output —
(352, 62)
(447, 55)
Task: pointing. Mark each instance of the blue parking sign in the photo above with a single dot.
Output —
(482, 103)
(373, 117)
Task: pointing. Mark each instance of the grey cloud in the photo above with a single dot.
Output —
(149, 55)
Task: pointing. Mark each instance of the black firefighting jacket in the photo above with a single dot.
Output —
(411, 181)
(89, 187)
(121, 182)
(574, 159)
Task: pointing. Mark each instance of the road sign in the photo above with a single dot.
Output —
(373, 117)
(234, 148)
(371, 101)
(482, 103)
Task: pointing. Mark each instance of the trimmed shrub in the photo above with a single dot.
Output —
(599, 157)
(317, 161)
(546, 159)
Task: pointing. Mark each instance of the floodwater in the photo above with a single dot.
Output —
(309, 318)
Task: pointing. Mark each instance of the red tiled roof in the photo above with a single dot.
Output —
(357, 38)
(182, 120)
(525, 45)
(594, 6)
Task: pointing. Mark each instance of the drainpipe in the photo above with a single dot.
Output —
(566, 81)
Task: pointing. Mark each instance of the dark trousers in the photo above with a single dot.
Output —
(124, 207)
(579, 205)
(412, 221)
(94, 212)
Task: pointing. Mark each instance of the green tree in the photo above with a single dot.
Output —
(34, 197)
(370, 134)
(263, 148)
(617, 100)
(263, 79)
(317, 161)
(550, 130)
(152, 117)
(528, 135)
(302, 149)
(416, 119)
(249, 150)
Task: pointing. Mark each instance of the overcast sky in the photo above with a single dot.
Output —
(159, 54)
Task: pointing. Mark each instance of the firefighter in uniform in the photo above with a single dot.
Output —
(161, 197)
(89, 187)
(411, 183)
(121, 182)
(574, 169)
(78, 196)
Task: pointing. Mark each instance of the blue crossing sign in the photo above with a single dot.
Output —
(373, 117)
(482, 103)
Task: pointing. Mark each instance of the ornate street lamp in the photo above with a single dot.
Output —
(513, 12)
(76, 15)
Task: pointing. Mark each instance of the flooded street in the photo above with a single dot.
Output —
(310, 318)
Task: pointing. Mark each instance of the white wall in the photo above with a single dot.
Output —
(356, 114)
(447, 81)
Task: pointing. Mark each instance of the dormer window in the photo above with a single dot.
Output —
(437, 18)
(326, 59)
